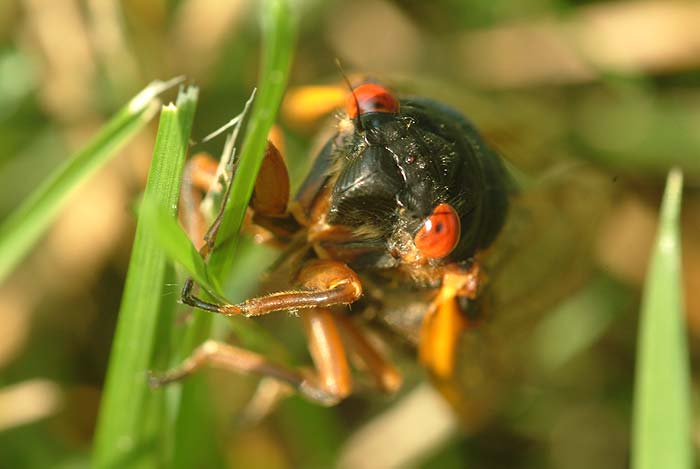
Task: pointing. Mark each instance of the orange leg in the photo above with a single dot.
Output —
(324, 283)
(387, 377)
(269, 219)
(444, 323)
(331, 381)
(327, 386)
(327, 283)
(270, 198)
(327, 352)
(331, 363)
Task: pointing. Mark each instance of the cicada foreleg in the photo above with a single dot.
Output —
(327, 283)
(267, 220)
(269, 223)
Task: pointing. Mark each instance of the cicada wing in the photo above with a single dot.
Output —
(544, 253)
(547, 247)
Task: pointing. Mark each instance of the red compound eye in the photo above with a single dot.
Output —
(370, 98)
(440, 233)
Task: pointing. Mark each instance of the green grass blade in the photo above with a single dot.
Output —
(123, 437)
(24, 226)
(179, 248)
(195, 435)
(662, 424)
(196, 442)
(279, 34)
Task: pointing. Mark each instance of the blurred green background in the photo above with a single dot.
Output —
(615, 84)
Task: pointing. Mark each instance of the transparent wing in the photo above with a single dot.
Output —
(544, 253)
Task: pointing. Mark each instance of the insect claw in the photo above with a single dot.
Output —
(158, 380)
(155, 380)
(313, 392)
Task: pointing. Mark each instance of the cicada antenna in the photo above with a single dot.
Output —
(358, 122)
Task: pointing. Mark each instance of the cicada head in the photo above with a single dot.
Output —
(416, 175)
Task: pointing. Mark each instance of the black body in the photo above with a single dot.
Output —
(390, 171)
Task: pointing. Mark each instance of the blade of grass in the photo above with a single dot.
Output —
(173, 239)
(122, 438)
(279, 33)
(24, 226)
(194, 433)
(662, 425)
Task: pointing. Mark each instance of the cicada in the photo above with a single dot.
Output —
(408, 221)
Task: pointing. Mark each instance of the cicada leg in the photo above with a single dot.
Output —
(328, 354)
(386, 376)
(267, 219)
(444, 322)
(325, 284)
(330, 383)
(270, 199)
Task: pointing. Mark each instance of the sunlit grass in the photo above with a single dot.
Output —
(662, 412)
(25, 225)
(130, 430)
(645, 132)
(194, 438)
(279, 26)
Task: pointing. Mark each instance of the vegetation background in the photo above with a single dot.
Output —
(614, 84)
